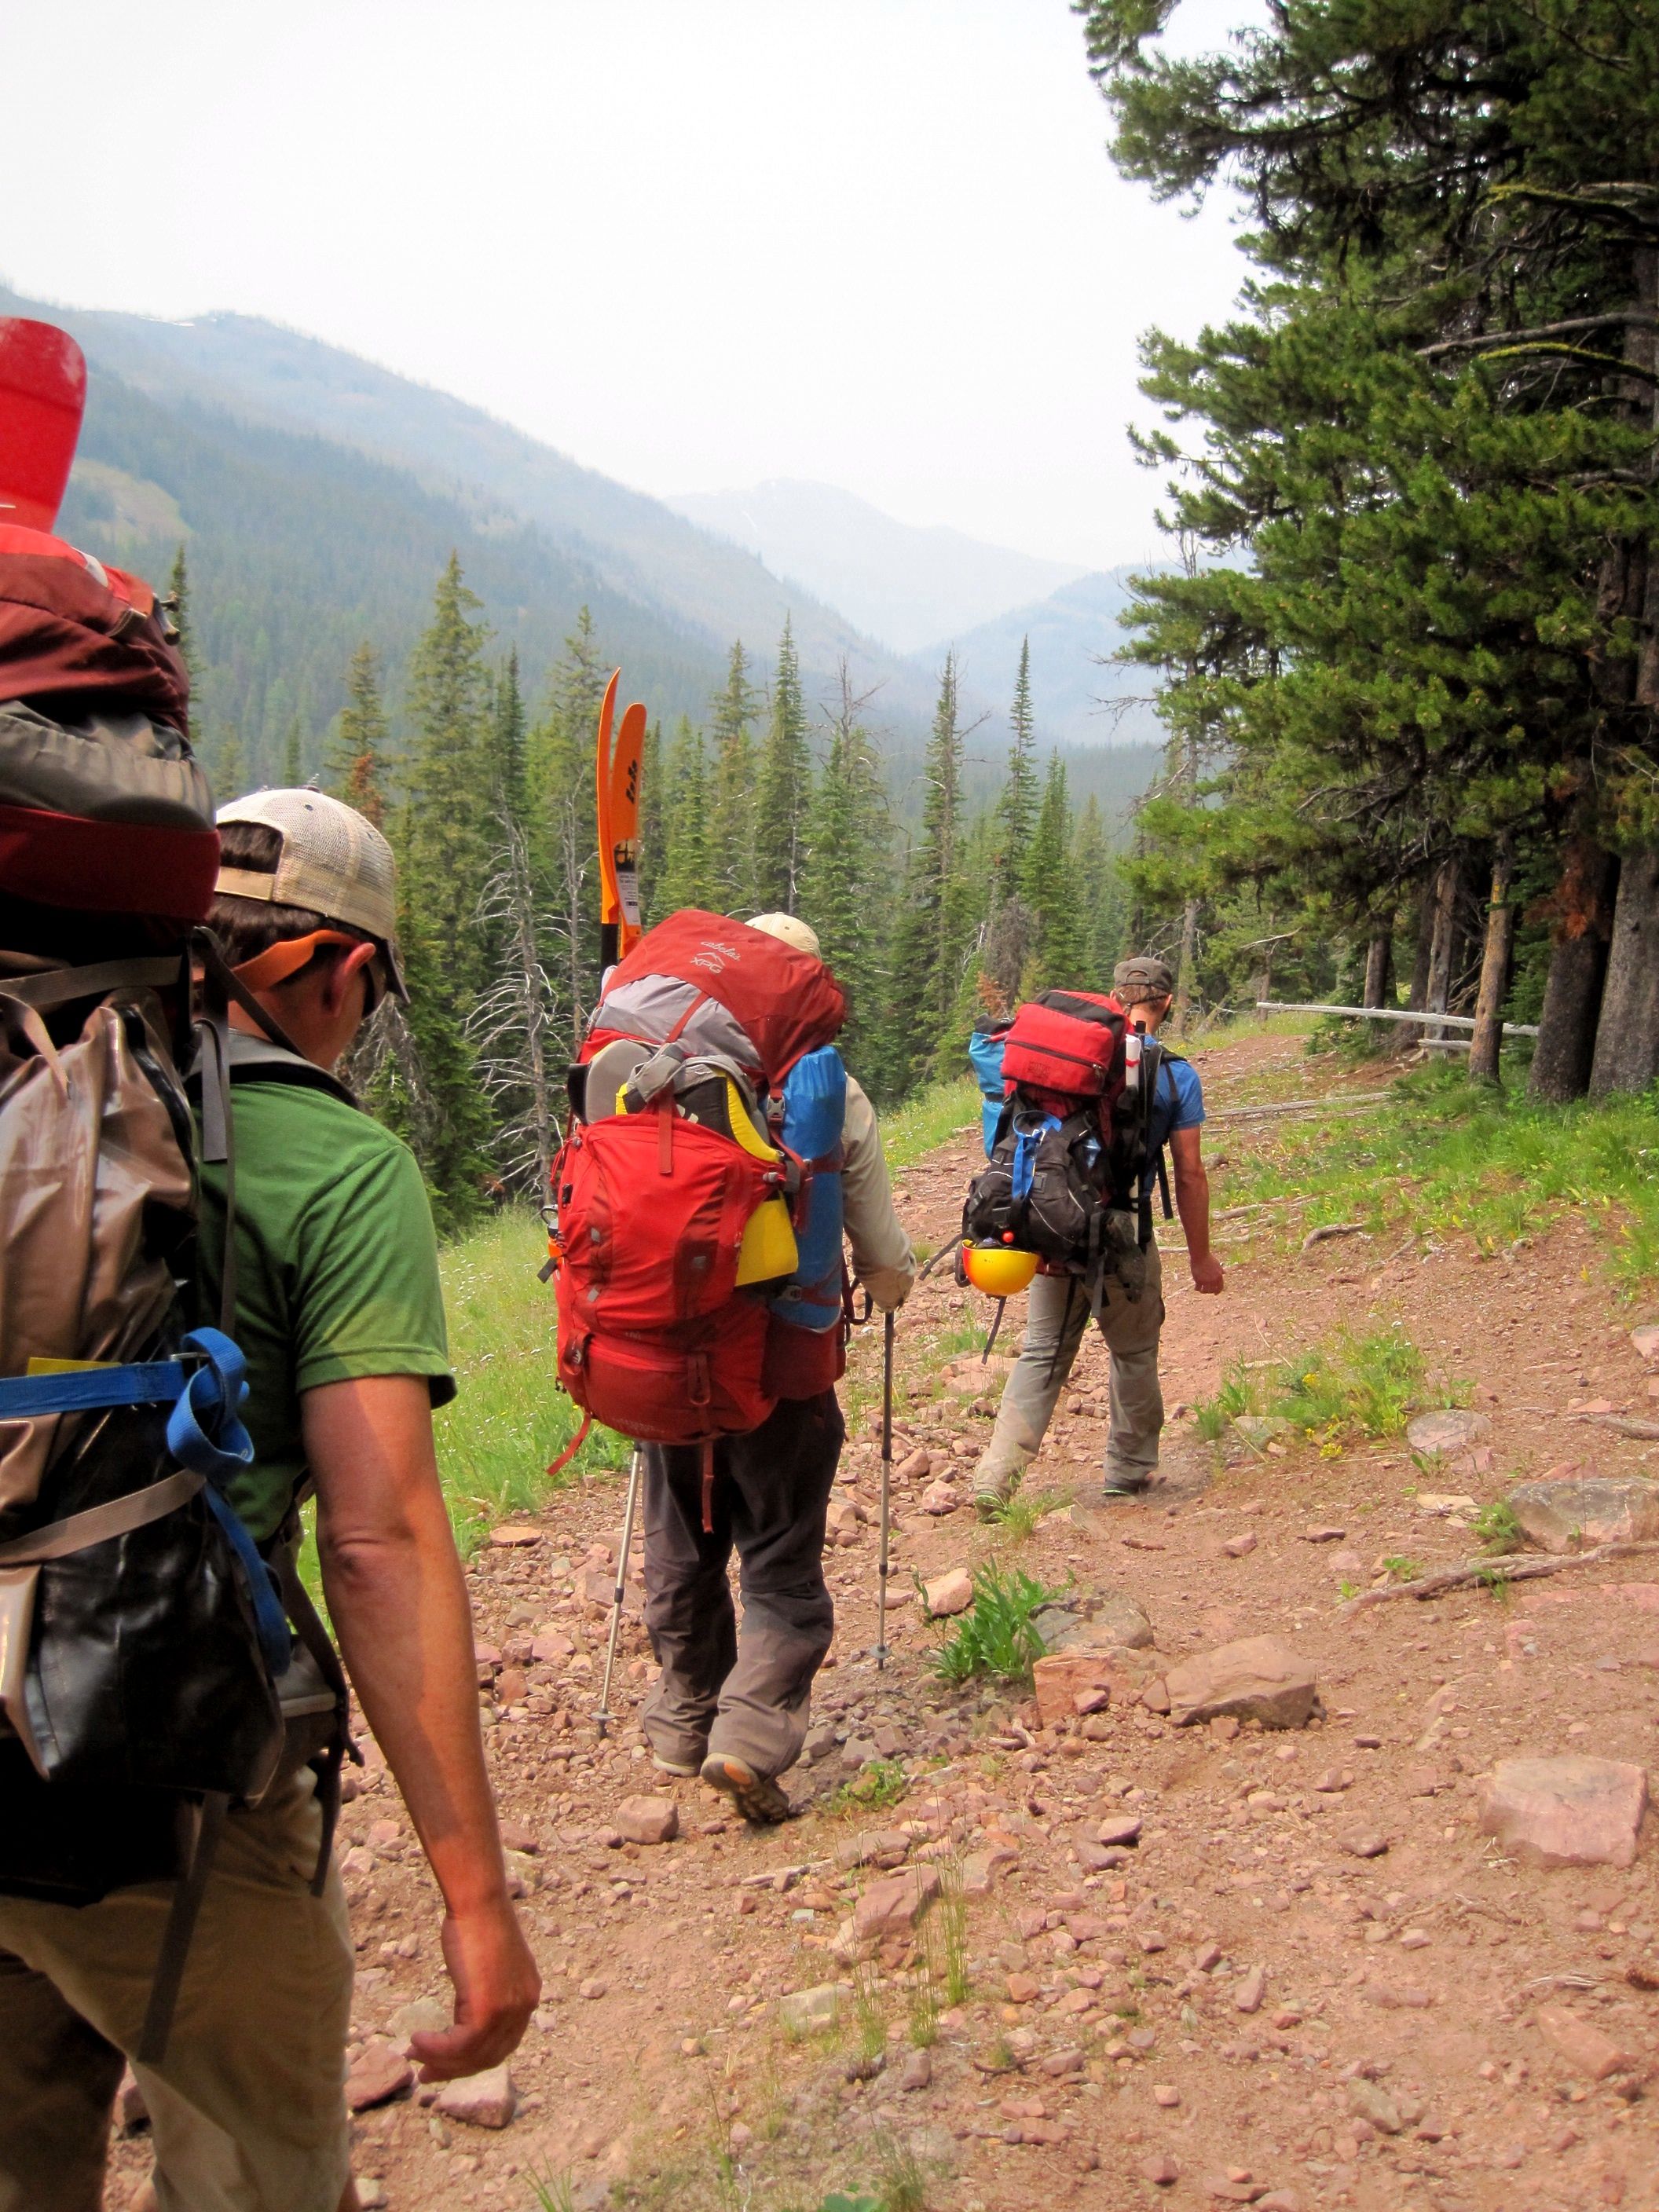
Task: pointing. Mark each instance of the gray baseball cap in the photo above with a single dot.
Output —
(1145, 977)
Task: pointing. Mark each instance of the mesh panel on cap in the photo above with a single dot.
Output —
(333, 862)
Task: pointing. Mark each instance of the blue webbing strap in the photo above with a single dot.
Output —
(205, 1434)
(1025, 1151)
(87, 1389)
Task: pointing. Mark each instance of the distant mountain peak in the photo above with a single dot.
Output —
(903, 583)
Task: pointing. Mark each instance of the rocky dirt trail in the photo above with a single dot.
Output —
(1072, 1949)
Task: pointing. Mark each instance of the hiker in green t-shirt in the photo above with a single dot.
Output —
(339, 1313)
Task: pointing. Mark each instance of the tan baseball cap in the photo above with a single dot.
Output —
(334, 862)
(789, 929)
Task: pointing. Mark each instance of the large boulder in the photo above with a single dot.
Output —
(1565, 1812)
(1257, 1678)
(1575, 1513)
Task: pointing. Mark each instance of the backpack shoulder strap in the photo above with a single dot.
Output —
(257, 1059)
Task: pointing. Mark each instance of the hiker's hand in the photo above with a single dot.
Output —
(497, 1985)
(888, 1287)
(1208, 1275)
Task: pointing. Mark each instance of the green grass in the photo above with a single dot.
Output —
(1497, 1526)
(997, 1635)
(923, 1123)
(1445, 1157)
(510, 1419)
(1369, 1386)
(880, 1783)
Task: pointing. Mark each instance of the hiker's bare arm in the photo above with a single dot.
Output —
(399, 1606)
(1192, 1198)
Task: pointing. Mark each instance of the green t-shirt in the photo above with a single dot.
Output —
(337, 1271)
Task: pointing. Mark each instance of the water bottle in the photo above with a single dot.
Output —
(1132, 1045)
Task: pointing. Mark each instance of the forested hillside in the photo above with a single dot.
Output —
(1000, 882)
(1410, 655)
(299, 551)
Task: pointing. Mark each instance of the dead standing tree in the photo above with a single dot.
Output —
(512, 1028)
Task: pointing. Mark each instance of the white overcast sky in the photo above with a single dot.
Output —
(878, 243)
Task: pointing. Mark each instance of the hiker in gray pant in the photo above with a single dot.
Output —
(1060, 1306)
(730, 1703)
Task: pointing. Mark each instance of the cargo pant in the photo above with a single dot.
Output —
(248, 2107)
(1131, 1328)
(745, 1694)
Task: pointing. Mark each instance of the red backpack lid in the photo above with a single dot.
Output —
(43, 395)
(786, 1002)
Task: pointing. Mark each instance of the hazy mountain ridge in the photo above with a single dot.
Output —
(900, 584)
(261, 374)
(1081, 696)
(306, 531)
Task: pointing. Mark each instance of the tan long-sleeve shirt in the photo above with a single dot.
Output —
(884, 1258)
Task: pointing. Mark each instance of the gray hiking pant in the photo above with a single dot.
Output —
(719, 1691)
(1131, 1329)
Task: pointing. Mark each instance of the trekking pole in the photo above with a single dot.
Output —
(886, 1482)
(603, 1717)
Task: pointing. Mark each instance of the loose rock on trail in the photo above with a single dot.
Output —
(1252, 1901)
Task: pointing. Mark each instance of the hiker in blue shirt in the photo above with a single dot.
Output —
(1055, 1319)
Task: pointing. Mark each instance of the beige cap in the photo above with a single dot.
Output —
(789, 929)
(334, 862)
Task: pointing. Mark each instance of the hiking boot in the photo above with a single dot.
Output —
(993, 1491)
(756, 1797)
(687, 1769)
(1118, 1487)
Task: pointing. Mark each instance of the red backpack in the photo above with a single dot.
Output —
(105, 807)
(658, 1185)
(1066, 1045)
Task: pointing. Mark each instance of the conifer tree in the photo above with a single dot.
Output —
(564, 825)
(448, 835)
(177, 603)
(359, 758)
(686, 876)
(935, 930)
(507, 742)
(1017, 808)
(730, 845)
(1050, 888)
(783, 792)
(845, 889)
(293, 758)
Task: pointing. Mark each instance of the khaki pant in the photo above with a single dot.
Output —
(1057, 1313)
(246, 2106)
(746, 1695)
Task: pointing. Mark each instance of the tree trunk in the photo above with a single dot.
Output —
(1418, 997)
(1488, 1039)
(1442, 945)
(1583, 908)
(1379, 970)
(1184, 966)
(1627, 1033)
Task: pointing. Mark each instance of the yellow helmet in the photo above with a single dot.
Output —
(997, 1269)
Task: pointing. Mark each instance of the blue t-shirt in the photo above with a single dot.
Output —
(1178, 1104)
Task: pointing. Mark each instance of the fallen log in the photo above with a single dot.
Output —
(1501, 1568)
